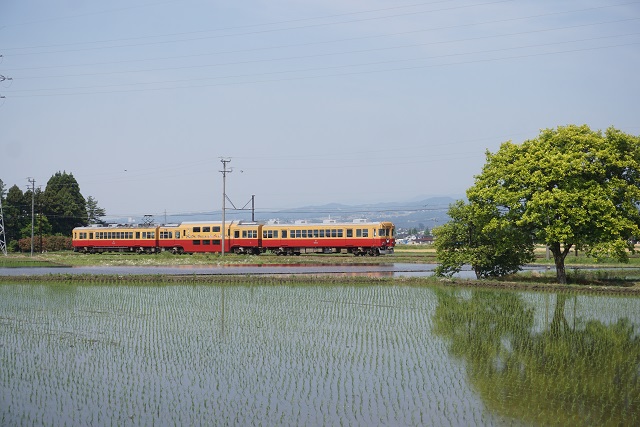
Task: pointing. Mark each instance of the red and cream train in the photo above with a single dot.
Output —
(358, 238)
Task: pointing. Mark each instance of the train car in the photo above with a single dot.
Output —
(245, 238)
(192, 237)
(359, 238)
(120, 238)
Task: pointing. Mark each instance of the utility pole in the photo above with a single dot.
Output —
(224, 172)
(33, 200)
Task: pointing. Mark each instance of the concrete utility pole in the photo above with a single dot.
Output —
(224, 172)
(33, 200)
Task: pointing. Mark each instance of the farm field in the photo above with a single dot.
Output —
(248, 352)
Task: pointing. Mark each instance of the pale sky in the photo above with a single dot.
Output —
(313, 101)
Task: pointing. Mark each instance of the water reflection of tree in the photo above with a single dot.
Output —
(559, 376)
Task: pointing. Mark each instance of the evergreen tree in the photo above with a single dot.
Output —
(17, 213)
(64, 205)
(94, 212)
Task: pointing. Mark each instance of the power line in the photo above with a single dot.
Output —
(358, 51)
(343, 74)
(259, 31)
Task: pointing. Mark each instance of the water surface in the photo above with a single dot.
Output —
(251, 354)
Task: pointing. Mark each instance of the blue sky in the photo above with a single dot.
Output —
(314, 102)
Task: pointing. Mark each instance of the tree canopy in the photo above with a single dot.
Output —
(57, 210)
(65, 206)
(479, 236)
(569, 187)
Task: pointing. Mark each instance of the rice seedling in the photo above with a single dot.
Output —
(246, 352)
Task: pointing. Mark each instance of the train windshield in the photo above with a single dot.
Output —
(386, 232)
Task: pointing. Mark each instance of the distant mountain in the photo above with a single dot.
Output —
(419, 214)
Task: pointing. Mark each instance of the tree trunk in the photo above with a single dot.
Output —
(558, 258)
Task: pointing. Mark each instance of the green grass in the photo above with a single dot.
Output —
(15, 261)
(70, 258)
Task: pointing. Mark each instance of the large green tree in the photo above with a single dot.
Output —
(64, 205)
(570, 187)
(17, 213)
(479, 236)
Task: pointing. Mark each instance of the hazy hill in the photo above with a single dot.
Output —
(428, 212)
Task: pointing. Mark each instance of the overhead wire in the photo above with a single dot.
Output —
(351, 52)
(266, 31)
(193, 82)
(350, 73)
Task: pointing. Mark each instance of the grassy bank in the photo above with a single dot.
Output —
(69, 258)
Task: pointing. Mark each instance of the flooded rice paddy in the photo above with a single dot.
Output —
(265, 354)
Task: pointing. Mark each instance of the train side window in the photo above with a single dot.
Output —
(216, 242)
(196, 229)
(349, 232)
(206, 242)
(206, 229)
(91, 235)
(340, 232)
(216, 229)
(177, 234)
(275, 234)
(321, 233)
(284, 234)
(196, 242)
(236, 234)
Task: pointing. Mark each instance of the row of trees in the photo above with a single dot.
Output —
(57, 210)
(570, 187)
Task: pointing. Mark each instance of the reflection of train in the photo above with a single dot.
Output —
(358, 238)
